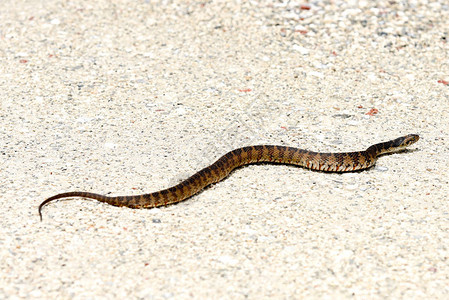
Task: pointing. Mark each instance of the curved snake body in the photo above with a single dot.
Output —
(326, 162)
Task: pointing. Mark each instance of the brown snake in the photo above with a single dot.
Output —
(326, 162)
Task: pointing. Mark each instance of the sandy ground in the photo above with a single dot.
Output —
(128, 97)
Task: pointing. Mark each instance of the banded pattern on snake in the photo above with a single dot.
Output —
(326, 162)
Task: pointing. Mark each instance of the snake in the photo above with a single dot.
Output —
(325, 162)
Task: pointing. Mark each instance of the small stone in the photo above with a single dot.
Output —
(301, 49)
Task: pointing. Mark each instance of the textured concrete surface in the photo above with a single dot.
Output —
(128, 97)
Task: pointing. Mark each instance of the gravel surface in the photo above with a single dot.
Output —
(128, 97)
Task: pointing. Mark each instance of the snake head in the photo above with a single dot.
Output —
(410, 139)
(395, 145)
(405, 141)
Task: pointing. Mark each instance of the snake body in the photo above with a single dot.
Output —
(326, 162)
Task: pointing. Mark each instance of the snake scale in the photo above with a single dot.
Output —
(326, 162)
